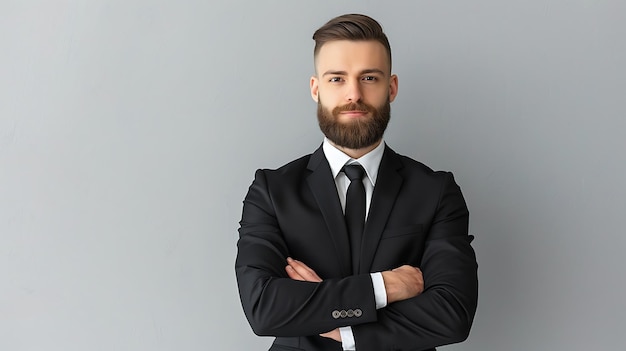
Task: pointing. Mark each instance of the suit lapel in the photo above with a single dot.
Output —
(324, 190)
(388, 185)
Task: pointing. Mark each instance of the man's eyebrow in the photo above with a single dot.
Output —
(344, 73)
(373, 70)
(334, 73)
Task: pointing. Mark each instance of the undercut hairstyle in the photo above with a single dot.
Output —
(354, 27)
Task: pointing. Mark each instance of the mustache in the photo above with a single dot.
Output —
(354, 106)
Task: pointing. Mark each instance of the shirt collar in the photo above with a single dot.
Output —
(370, 161)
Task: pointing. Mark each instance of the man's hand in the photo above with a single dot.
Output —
(403, 283)
(333, 334)
(297, 270)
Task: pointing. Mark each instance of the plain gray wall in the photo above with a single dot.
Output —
(130, 132)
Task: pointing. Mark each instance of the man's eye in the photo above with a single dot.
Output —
(335, 79)
(370, 78)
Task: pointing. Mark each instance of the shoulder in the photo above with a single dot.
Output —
(287, 176)
(298, 166)
(419, 177)
(293, 167)
(410, 166)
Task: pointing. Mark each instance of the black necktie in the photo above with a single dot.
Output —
(355, 210)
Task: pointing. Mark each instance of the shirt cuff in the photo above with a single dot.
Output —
(380, 293)
(347, 339)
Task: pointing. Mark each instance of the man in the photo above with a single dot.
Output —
(397, 272)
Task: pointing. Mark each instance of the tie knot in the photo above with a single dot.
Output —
(354, 171)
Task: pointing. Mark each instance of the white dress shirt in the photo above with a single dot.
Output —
(370, 162)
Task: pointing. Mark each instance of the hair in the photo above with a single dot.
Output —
(353, 27)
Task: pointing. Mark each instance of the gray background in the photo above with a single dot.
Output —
(130, 131)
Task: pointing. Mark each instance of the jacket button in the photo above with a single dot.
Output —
(358, 312)
(336, 314)
(344, 314)
(350, 313)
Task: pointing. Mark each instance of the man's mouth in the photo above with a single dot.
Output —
(354, 113)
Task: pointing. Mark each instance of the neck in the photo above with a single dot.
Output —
(356, 153)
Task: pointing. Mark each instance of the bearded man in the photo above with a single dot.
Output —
(355, 247)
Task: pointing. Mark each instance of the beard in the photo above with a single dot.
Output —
(359, 132)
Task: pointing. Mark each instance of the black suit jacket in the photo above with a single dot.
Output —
(416, 217)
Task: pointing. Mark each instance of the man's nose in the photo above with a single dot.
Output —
(353, 91)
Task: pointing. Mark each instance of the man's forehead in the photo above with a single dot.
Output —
(341, 55)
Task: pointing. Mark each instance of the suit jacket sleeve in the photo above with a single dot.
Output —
(444, 312)
(274, 304)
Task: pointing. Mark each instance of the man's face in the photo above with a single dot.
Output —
(353, 89)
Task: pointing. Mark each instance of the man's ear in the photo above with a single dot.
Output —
(315, 88)
(393, 87)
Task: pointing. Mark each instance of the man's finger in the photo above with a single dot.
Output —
(303, 270)
(333, 334)
(293, 274)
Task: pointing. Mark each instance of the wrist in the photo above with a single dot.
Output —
(390, 286)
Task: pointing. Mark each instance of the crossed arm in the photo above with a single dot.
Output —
(296, 301)
(401, 283)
